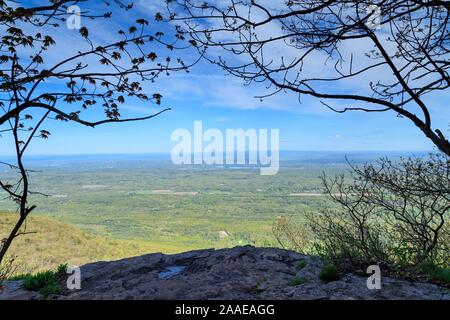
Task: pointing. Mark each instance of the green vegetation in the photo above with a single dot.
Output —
(329, 273)
(183, 208)
(111, 210)
(301, 264)
(393, 213)
(43, 282)
(437, 273)
(62, 268)
(296, 281)
(108, 210)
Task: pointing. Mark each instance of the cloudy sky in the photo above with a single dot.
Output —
(222, 101)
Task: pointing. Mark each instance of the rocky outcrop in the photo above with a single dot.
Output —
(237, 273)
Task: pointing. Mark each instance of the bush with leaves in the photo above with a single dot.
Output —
(393, 213)
(291, 235)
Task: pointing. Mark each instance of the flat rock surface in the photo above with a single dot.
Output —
(12, 290)
(238, 273)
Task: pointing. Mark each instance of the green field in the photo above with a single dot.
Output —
(171, 208)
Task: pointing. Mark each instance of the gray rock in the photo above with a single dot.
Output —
(237, 273)
(12, 290)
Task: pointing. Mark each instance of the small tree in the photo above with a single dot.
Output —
(88, 75)
(391, 212)
(291, 235)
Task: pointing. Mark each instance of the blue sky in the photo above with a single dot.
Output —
(223, 102)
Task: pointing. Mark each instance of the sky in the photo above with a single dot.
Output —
(221, 101)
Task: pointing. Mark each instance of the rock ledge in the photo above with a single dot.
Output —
(237, 273)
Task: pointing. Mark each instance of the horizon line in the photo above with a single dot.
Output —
(168, 153)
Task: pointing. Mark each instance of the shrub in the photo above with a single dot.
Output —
(329, 273)
(290, 235)
(43, 282)
(391, 213)
(301, 264)
(62, 269)
(296, 281)
(437, 273)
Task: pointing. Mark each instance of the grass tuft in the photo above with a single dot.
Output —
(301, 264)
(43, 282)
(62, 269)
(296, 281)
(329, 273)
